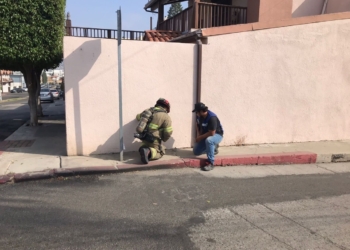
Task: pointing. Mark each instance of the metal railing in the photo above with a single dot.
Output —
(104, 33)
(216, 15)
(205, 15)
(180, 22)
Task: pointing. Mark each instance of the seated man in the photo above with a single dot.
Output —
(209, 134)
(154, 127)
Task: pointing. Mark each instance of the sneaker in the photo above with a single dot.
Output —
(209, 166)
(216, 151)
(144, 152)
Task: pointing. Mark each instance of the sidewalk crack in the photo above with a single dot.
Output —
(308, 229)
(332, 204)
(8, 168)
(317, 165)
(261, 229)
(269, 167)
(184, 162)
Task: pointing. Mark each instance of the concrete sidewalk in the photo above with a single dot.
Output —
(40, 152)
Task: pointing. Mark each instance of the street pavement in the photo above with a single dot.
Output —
(14, 113)
(181, 209)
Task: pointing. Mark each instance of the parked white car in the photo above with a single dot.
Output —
(55, 94)
(46, 95)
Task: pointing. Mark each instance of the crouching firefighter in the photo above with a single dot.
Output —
(153, 128)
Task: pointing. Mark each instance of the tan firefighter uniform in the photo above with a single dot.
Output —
(160, 127)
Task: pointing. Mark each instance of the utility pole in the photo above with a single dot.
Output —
(121, 135)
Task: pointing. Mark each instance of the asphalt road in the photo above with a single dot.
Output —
(14, 114)
(177, 209)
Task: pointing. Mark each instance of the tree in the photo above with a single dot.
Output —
(31, 40)
(44, 77)
(175, 8)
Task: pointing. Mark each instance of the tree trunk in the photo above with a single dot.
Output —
(33, 107)
(39, 107)
(31, 79)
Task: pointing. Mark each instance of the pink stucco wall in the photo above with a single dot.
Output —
(280, 85)
(150, 70)
(314, 7)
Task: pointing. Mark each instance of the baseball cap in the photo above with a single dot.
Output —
(199, 106)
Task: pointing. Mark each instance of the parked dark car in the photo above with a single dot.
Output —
(17, 90)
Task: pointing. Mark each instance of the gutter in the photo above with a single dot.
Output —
(199, 68)
(324, 6)
(195, 37)
(150, 4)
(151, 11)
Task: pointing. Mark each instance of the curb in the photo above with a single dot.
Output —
(236, 160)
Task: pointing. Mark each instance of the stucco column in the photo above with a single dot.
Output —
(269, 10)
(253, 11)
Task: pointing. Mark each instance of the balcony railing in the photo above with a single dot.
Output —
(180, 22)
(104, 33)
(205, 15)
(216, 15)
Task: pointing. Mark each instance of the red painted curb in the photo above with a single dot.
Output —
(84, 170)
(193, 163)
(262, 159)
(240, 160)
(4, 179)
(63, 172)
(47, 174)
(175, 163)
(304, 158)
(287, 158)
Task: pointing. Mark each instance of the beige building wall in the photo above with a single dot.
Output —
(150, 70)
(288, 84)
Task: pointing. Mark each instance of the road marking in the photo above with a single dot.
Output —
(304, 224)
(244, 172)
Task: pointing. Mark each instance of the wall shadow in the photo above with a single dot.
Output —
(49, 138)
(73, 81)
(131, 156)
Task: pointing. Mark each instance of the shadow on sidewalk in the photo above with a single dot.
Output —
(49, 138)
(130, 157)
